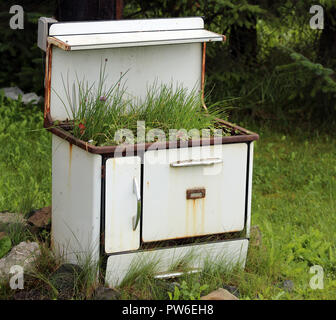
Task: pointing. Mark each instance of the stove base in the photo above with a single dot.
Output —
(229, 252)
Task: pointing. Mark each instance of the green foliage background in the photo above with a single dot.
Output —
(273, 65)
(22, 62)
(25, 169)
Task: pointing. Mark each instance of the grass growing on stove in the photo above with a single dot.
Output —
(102, 113)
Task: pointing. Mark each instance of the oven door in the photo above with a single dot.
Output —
(122, 204)
(194, 191)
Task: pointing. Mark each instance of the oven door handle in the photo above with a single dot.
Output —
(136, 191)
(194, 163)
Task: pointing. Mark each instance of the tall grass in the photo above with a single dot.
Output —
(100, 112)
(25, 158)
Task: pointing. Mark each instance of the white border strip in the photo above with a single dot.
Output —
(120, 26)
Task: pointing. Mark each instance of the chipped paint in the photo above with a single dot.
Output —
(70, 154)
(58, 43)
(202, 214)
(70, 165)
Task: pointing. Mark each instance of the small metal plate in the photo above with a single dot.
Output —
(195, 193)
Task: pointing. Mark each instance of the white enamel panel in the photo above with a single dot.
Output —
(76, 192)
(114, 26)
(121, 204)
(143, 66)
(167, 214)
(131, 39)
(229, 253)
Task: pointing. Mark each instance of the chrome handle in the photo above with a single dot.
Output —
(194, 163)
(136, 190)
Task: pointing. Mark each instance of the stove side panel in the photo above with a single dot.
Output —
(76, 198)
(249, 190)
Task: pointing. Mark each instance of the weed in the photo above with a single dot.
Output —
(184, 292)
(101, 114)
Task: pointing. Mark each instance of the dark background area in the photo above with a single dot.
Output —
(273, 66)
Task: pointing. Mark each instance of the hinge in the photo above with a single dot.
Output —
(103, 172)
(102, 239)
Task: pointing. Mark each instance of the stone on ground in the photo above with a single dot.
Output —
(14, 93)
(41, 218)
(24, 255)
(64, 280)
(288, 285)
(232, 289)
(9, 217)
(220, 294)
(103, 293)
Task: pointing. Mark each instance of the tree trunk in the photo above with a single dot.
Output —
(327, 45)
(243, 42)
(86, 10)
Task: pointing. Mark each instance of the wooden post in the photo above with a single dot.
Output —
(86, 10)
(119, 9)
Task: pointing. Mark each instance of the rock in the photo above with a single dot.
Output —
(8, 217)
(219, 294)
(14, 93)
(64, 280)
(73, 269)
(232, 289)
(41, 218)
(255, 236)
(34, 294)
(31, 98)
(288, 285)
(24, 255)
(103, 293)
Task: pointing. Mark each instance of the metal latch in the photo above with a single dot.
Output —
(43, 31)
(198, 193)
(136, 190)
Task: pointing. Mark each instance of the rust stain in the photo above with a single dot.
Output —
(196, 193)
(243, 136)
(59, 43)
(194, 216)
(47, 81)
(194, 206)
(70, 163)
(202, 214)
(187, 218)
(198, 207)
(70, 155)
(147, 183)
